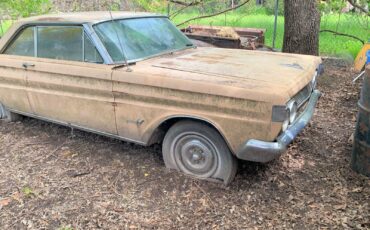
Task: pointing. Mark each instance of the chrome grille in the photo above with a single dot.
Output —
(303, 95)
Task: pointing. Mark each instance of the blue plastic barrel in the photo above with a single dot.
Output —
(368, 57)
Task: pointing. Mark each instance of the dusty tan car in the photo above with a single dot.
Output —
(136, 77)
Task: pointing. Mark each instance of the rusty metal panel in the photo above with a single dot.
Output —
(227, 37)
(224, 87)
(73, 92)
(361, 151)
(216, 85)
(13, 83)
(144, 101)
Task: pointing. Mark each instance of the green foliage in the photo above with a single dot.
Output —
(329, 44)
(4, 26)
(26, 8)
(336, 6)
(329, 6)
(153, 5)
(252, 8)
(65, 228)
(270, 7)
(27, 191)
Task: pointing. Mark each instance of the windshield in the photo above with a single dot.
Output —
(140, 38)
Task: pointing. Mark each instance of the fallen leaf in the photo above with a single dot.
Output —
(359, 189)
(5, 202)
(340, 207)
(17, 196)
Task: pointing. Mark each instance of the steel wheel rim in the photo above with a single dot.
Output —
(195, 154)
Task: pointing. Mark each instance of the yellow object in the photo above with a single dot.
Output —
(361, 58)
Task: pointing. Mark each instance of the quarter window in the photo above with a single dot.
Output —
(24, 44)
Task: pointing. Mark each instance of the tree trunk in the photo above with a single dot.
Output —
(302, 27)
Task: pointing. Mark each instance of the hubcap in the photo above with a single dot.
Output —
(195, 154)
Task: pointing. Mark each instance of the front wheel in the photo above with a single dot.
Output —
(199, 151)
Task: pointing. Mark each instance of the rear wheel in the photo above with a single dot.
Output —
(9, 116)
(198, 150)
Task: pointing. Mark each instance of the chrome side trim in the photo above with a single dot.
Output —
(74, 126)
(262, 151)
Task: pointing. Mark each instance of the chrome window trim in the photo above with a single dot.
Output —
(35, 37)
(83, 45)
(127, 18)
(98, 44)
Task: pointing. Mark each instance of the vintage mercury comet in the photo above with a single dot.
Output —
(136, 77)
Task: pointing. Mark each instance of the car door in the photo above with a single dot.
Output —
(13, 92)
(67, 82)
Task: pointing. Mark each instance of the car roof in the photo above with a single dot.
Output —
(91, 17)
(86, 17)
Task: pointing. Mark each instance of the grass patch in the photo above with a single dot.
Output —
(28, 192)
(4, 26)
(329, 44)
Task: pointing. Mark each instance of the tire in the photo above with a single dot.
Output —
(9, 116)
(200, 151)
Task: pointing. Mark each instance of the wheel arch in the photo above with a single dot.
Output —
(162, 128)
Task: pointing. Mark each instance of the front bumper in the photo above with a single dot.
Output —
(261, 151)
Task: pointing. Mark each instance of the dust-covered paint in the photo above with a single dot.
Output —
(232, 90)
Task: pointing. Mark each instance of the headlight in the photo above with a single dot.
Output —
(285, 114)
(292, 107)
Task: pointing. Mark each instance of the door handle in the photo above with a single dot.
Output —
(26, 65)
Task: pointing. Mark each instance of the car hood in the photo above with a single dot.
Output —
(254, 75)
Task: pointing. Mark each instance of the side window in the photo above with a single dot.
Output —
(55, 42)
(90, 52)
(24, 44)
(58, 42)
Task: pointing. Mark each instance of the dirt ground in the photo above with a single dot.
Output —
(50, 179)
